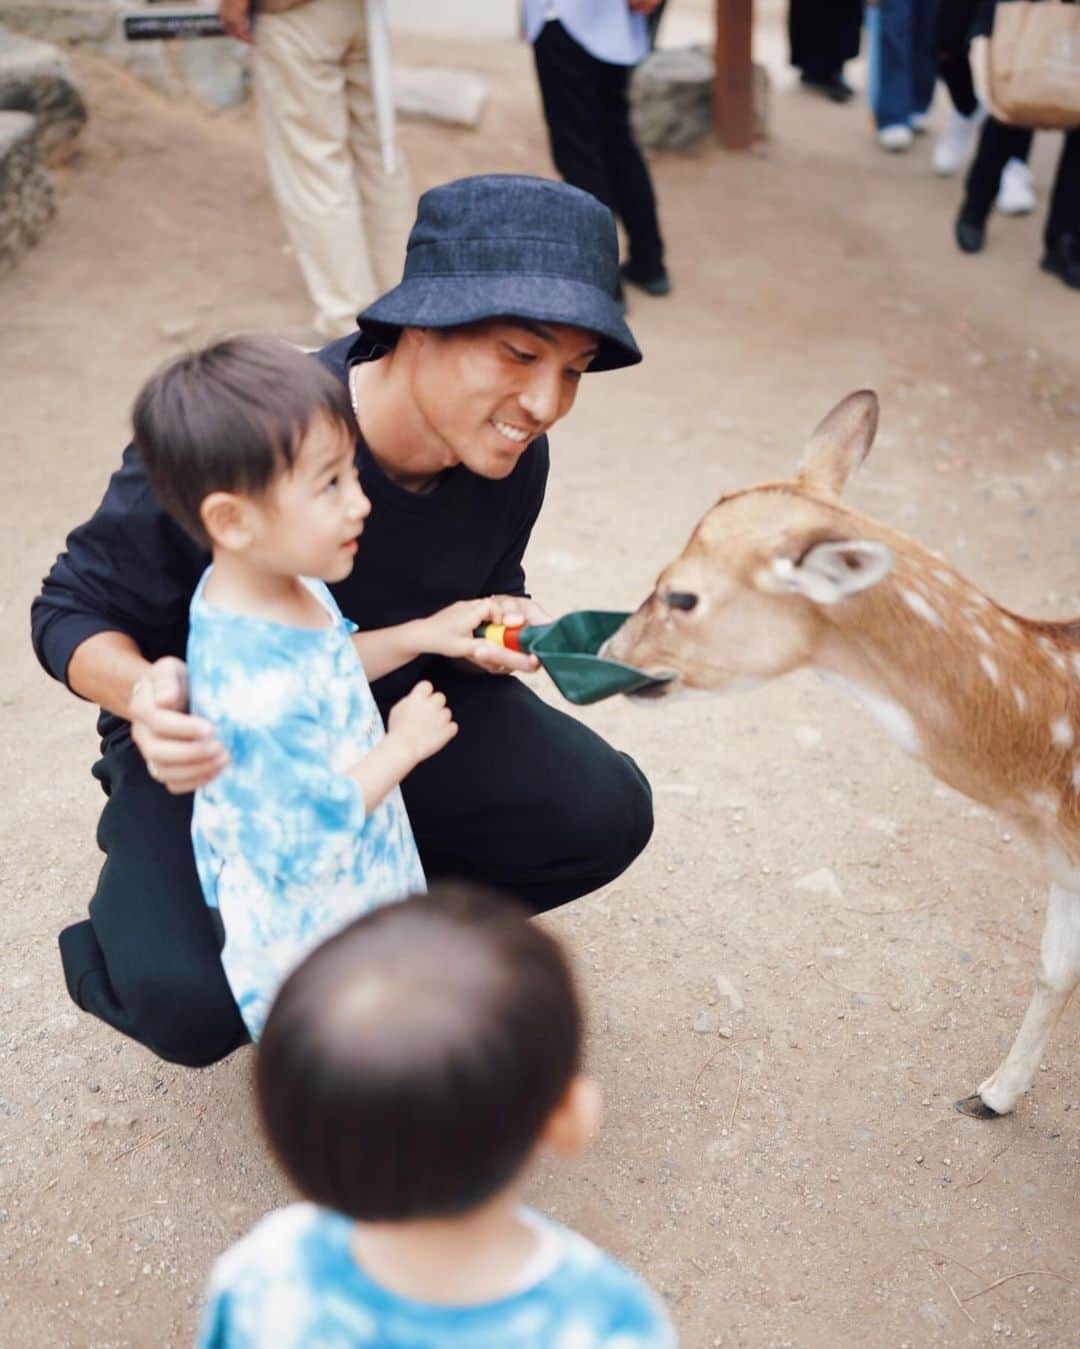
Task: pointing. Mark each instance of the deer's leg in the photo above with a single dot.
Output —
(1059, 973)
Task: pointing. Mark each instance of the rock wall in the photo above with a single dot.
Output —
(26, 195)
(35, 78)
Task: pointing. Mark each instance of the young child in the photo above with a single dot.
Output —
(409, 1070)
(249, 444)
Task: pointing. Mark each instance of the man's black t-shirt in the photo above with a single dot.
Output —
(130, 568)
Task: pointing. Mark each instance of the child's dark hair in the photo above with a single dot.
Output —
(228, 419)
(408, 1066)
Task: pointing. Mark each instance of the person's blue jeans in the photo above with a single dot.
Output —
(902, 63)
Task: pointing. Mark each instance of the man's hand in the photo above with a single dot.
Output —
(512, 611)
(180, 750)
(235, 18)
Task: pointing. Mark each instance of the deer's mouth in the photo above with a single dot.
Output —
(662, 685)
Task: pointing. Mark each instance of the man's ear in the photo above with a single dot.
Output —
(830, 570)
(227, 519)
(572, 1125)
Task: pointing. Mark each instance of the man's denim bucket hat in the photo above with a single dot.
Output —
(508, 246)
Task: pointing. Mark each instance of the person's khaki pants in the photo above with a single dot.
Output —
(348, 220)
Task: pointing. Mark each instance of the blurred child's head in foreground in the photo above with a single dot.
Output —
(412, 1064)
(249, 444)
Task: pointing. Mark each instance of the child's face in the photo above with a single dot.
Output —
(312, 516)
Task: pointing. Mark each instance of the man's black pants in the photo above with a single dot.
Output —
(587, 109)
(524, 798)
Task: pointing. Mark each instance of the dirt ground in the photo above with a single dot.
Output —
(788, 1173)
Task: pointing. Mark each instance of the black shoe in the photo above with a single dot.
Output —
(832, 86)
(1063, 259)
(970, 234)
(657, 284)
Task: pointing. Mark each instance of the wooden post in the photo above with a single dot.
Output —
(733, 95)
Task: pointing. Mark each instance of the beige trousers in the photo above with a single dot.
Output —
(347, 219)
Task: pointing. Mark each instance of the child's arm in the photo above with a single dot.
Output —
(418, 727)
(446, 633)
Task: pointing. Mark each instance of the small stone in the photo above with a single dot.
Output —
(725, 1032)
(174, 329)
(705, 1022)
(821, 882)
(807, 737)
(727, 989)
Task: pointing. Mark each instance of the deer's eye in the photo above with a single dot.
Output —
(681, 599)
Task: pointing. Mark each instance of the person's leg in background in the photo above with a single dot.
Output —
(633, 198)
(822, 37)
(299, 80)
(570, 93)
(1062, 232)
(998, 144)
(891, 95)
(147, 961)
(923, 61)
(387, 200)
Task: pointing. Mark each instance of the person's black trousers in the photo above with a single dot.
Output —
(587, 109)
(823, 35)
(997, 145)
(524, 798)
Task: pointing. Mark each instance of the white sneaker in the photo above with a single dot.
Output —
(1016, 195)
(955, 142)
(896, 137)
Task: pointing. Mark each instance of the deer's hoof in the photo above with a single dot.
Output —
(976, 1107)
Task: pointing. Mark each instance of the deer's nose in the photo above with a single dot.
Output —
(681, 599)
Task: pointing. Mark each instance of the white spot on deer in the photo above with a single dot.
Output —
(981, 633)
(1056, 655)
(1021, 699)
(1044, 802)
(989, 667)
(1062, 733)
(1009, 625)
(920, 606)
(980, 601)
(946, 577)
(891, 716)
(1076, 777)
(1075, 659)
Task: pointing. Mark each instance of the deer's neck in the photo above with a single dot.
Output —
(990, 700)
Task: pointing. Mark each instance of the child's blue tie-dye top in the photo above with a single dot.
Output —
(284, 847)
(293, 1283)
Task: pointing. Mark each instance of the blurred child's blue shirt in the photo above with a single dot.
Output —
(293, 1283)
(283, 845)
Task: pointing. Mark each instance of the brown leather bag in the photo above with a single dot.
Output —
(1035, 63)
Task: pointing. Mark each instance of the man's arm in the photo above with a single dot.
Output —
(111, 621)
(235, 16)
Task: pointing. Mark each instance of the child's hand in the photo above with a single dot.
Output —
(421, 722)
(450, 631)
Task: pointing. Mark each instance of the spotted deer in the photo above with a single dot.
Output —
(783, 576)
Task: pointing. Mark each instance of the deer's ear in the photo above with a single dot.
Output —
(840, 443)
(833, 570)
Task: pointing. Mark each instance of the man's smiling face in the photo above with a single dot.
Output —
(489, 389)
